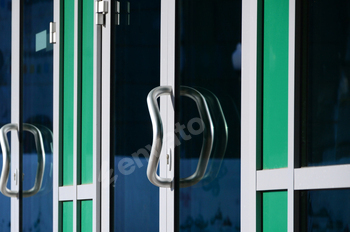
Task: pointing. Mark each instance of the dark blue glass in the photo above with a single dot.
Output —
(37, 109)
(136, 71)
(325, 82)
(5, 96)
(325, 210)
(210, 51)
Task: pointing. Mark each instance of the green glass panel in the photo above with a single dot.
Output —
(87, 91)
(275, 211)
(68, 92)
(86, 216)
(275, 84)
(67, 216)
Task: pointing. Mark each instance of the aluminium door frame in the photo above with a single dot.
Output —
(252, 179)
(15, 108)
(76, 192)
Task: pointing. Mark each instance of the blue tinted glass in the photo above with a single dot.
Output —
(325, 82)
(136, 67)
(37, 79)
(325, 210)
(211, 64)
(5, 96)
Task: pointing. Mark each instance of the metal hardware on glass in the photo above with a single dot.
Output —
(169, 159)
(52, 32)
(101, 10)
(6, 153)
(208, 134)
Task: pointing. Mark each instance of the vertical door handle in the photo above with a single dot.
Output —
(208, 135)
(6, 153)
(157, 142)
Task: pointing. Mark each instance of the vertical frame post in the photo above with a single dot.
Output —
(167, 78)
(56, 114)
(249, 112)
(105, 171)
(15, 110)
(97, 127)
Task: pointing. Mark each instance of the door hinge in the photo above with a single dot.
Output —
(52, 32)
(101, 11)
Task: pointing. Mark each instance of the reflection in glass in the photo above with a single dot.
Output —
(135, 72)
(325, 210)
(210, 63)
(37, 79)
(5, 96)
(325, 82)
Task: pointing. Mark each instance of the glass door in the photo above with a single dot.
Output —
(168, 158)
(134, 72)
(322, 152)
(26, 59)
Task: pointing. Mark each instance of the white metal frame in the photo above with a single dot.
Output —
(105, 173)
(15, 108)
(77, 192)
(167, 78)
(248, 112)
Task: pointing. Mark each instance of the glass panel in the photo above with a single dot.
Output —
(325, 210)
(86, 214)
(275, 83)
(210, 64)
(325, 78)
(66, 215)
(5, 96)
(136, 67)
(275, 211)
(68, 93)
(87, 55)
(37, 79)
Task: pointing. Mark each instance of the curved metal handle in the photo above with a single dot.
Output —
(157, 143)
(7, 159)
(157, 126)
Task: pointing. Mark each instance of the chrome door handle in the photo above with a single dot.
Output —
(157, 142)
(7, 159)
(208, 134)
